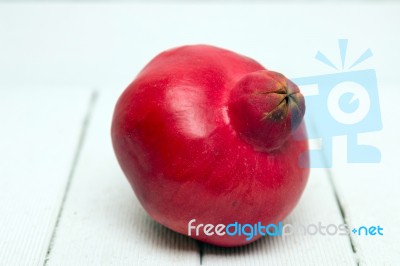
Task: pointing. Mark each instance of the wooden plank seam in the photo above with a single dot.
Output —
(82, 136)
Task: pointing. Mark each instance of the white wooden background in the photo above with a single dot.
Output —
(63, 197)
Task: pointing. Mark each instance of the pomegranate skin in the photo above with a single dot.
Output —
(174, 140)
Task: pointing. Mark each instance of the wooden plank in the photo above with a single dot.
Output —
(40, 130)
(318, 204)
(369, 192)
(106, 44)
(102, 222)
(58, 46)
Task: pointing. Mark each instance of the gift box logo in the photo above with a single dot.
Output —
(344, 103)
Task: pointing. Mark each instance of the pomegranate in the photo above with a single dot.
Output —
(207, 134)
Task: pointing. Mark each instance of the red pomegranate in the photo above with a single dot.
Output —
(205, 133)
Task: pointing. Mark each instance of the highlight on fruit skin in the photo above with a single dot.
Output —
(208, 134)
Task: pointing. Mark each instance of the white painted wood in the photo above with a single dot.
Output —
(369, 192)
(39, 135)
(106, 45)
(102, 222)
(318, 204)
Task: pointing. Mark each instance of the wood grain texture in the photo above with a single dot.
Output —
(369, 192)
(102, 222)
(318, 204)
(39, 135)
(106, 45)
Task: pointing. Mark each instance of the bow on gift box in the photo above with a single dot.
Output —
(343, 51)
(344, 103)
